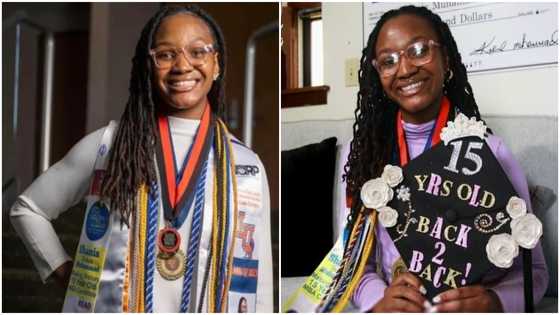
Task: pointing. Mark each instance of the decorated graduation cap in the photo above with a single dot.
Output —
(452, 212)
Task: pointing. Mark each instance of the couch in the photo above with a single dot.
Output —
(532, 139)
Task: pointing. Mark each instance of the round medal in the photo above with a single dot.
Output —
(169, 240)
(171, 266)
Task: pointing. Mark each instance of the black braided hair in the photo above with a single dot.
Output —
(374, 129)
(131, 161)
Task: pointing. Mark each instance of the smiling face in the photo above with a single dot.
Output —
(242, 306)
(182, 88)
(417, 89)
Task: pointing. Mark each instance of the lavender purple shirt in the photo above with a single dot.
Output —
(508, 284)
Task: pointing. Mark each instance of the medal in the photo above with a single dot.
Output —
(169, 240)
(171, 266)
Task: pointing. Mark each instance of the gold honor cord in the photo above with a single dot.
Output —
(346, 260)
(211, 287)
(341, 304)
(143, 207)
(219, 216)
(224, 209)
(234, 186)
(216, 227)
(133, 250)
(221, 222)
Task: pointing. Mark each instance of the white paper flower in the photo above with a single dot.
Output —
(526, 230)
(516, 207)
(392, 175)
(501, 250)
(387, 216)
(376, 193)
(403, 193)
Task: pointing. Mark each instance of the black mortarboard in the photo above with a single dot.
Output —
(458, 198)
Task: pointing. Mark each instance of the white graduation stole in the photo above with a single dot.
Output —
(96, 275)
(96, 282)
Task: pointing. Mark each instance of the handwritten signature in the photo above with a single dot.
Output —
(488, 47)
(493, 46)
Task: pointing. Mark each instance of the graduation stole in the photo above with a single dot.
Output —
(354, 259)
(180, 188)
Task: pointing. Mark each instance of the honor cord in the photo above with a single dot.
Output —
(225, 231)
(234, 216)
(341, 304)
(351, 266)
(140, 263)
(216, 280)
(151, 246)
(334, 287)
(194, 240)
(215, 224)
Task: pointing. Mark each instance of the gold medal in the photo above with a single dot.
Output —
(171, 266)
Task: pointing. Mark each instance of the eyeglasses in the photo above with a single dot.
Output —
(418, 53)
(196, 55)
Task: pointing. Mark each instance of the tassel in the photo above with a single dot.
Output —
(341, 304)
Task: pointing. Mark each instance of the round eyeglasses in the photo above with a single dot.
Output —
(418, 53)
(166, 57)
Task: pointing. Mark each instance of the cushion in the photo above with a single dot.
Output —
(542, 200)
(307, 192)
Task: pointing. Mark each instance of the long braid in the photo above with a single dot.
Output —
(374, 131)
(131, 161)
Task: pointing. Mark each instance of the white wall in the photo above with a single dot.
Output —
(522, 92)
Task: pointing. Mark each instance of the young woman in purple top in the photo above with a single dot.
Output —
(411, 68)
